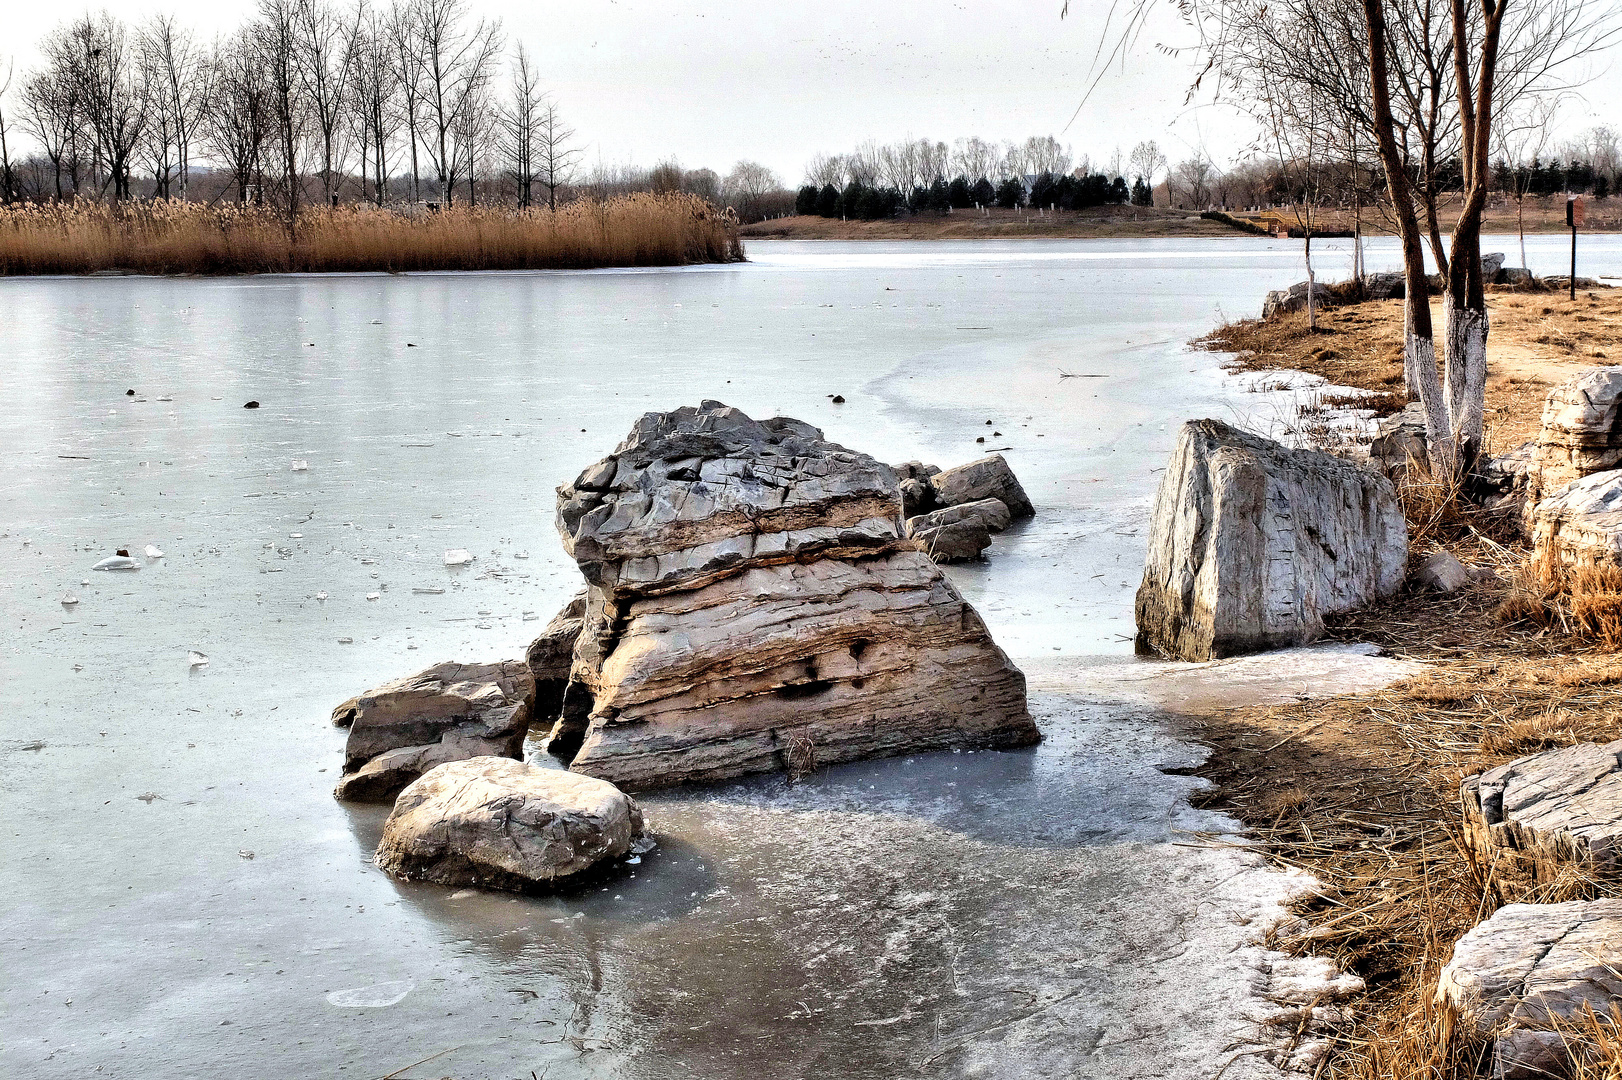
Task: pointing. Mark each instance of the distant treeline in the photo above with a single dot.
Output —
(1045, 191)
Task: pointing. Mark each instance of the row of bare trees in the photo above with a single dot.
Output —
(920, 163)
(379, 101)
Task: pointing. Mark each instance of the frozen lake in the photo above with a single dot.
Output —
(1007, 915)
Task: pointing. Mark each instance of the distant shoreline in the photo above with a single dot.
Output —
(1107, 222)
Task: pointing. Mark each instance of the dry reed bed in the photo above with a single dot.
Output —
(192, 238)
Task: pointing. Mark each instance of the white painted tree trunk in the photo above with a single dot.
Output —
(1466, 369)
(1420, 354)
(1312, 300)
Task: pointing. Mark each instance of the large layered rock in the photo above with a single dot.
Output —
(1581, 523)
(1531, 970)
(1536, 815)
(501, 824)
(1252, 543)
(1400, 440)
(450, 712)
(1581, 432)
(754, 605)
(987, 478)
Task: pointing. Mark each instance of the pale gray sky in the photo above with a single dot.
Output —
(712, 81)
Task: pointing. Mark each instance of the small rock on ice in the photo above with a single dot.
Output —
(458, 557)
(373, 595)
(197, 659)
(152, 552)
(346, 641)
(117, 562)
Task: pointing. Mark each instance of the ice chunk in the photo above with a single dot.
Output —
(378, 996)
(68, 600)
(300, 465)
(373, 595)
(520, 554)
(117, 562)
(346, 641)
(320, 596)
(428, 592)
(458, 557)
(153, 553)
(197, 659)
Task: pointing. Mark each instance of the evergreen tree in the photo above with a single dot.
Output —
(939, 198)
(1602, 187)
(1044, 191)
(1117, 192)
(828, 201)
(982, 193)
(1142, 194)
(1010, 193)
(806, 201)
(957, 194)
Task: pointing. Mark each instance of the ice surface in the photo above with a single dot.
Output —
(1049, 913)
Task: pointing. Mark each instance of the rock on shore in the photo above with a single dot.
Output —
(1537, 814)
(1581, 431)
(449, 712)
(1252, 544)
(502, 824)
(1531, 968)
(1581, 523)
(754, 605)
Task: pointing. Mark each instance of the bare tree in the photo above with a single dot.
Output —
(1193, 177)
(827, 170)
(1147, 160)
(176, 74)
(237, 124)
(8, 176)
(520, 119)
(453, 62)
(112, 94)
(50, 110)
(1520, 137)
(555, 151)
(374, 98)
(974, 158)
(747, 186)
(277, 43)
(408, 71)
(322, 55)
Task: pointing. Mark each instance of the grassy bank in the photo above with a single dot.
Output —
(191, 238)
(1362, 791)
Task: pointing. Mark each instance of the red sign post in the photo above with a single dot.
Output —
(1574, 218)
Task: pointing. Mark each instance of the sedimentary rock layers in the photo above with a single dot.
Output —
(1253, 543)
(754, 605)
(1582, 428)
(446, 713)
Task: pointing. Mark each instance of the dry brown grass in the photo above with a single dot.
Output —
(191, 238)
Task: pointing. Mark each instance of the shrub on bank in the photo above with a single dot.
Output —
(192, 238)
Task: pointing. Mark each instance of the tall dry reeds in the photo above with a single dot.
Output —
(191, 238)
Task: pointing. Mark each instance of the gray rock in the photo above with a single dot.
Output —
(549, 658)
(1504, 481)
(1392, 286)
(1400, 439)
(952, 541)
(991, 513)
(988, 478)
(502, 824)
(1581, 432)
(1491, 264)
(917, 497)
(450, 712)
(1515, 275)
(755, 605)
(1284, 301)
(1443, 573)
(1538, 814)
(1252, 543)
(1581, 523)
(915, 470)
(1531, 969)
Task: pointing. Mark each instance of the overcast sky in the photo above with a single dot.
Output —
(714, 81)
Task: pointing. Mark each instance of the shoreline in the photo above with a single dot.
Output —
(1361, 790)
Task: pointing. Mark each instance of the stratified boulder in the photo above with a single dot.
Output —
(988, 478)
(1491, 264)
(1515, 275)
(1531, 970)
(952, 541)
(450, 712)
(1539, 814)
(1582, 429)
(1502, 482)
(1252, 543)
(501, 824)
(1443, 573)
(754, 605)
(1388, 286)
(1581, 523)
